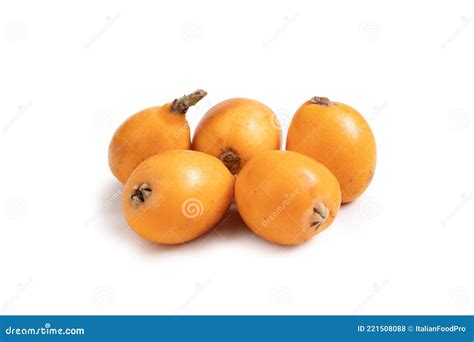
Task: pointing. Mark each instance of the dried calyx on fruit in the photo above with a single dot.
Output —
(231, 160)
(323, 101)
(320, 215)
(140, 194)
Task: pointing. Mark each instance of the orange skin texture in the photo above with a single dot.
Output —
(191, 192)
(246, 126)
(144, 134)
(338, 137)
(276, 192)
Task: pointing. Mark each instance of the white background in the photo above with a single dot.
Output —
(71, 73)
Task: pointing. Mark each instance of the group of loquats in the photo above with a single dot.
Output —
(177, 189)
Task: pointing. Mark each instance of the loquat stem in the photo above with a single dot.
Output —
(182, 104)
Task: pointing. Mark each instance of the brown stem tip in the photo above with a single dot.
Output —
(231, 160)
(320, 215)
(182, 104)
(140, 194)
(323, 101)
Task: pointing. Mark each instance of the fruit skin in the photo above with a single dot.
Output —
(279, 195)
(337, 136)
(149, 132)
(237, 129)
(189, 193)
